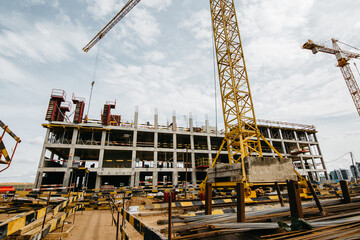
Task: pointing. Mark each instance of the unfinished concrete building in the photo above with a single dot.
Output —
(111, 152)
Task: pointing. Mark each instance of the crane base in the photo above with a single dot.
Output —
(258, 170)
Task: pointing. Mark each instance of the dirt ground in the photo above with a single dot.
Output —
(92, 225)
(95, 225)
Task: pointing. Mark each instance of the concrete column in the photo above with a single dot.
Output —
(174, 123)
(174, 151)
(282, 142)
(270, 141)
(97, 182)
(175, 177)
(42, 157)
(207, 126)
(191, 124)
(296, 137)
(38, 179)
(136, 117)
(156, 120)
(155, 179)
(67, 174)
(137, 178)
(132, 179)
(193, 167)
(209, 149)
(156, 141)
(101, 159)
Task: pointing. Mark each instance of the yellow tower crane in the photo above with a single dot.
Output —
(242, 136)
(342, 58)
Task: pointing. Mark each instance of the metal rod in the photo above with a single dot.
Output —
(77, 196)
(170, 218)
(208, 199)
(117, 225)
(186, 173)
(281, 200)
(355, 168)
(318, 204)
(240, 202)
(345, 191)
(294, 199)
(47, 204)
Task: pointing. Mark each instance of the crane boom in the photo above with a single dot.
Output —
(128, 6)
(342, 58)
(315, 47)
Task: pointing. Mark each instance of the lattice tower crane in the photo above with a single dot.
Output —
(242, 136)
(342, 58)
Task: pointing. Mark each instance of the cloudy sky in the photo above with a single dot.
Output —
(160, 56)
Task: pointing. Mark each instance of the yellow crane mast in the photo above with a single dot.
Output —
(342, 58)
(242, 136)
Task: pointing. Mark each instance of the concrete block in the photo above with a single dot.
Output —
(257, 169)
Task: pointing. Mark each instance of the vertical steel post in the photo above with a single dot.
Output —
(294, 199)
(47, 205)
(117, 224)
(355, 168)
(345, 191)
(208, 199)
(279, 194)
(170, 218)
(186, 173)
(77, 196)
(240, 202)
(318, 204)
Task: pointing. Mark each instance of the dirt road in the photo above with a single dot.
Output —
(92, 225)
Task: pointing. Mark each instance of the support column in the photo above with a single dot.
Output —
(66, 180)
(133, 180)
(156, 141)
(207, 129)
(42, 157)
(137, 179)
(193, 167)
(209, 149)
(38, 178)
(101, 159)
(270, 141)
(282, 142)
(294, 199)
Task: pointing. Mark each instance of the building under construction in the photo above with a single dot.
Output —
(111, 152)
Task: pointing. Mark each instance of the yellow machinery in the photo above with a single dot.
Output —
(342, 58)
(242, 136)
(3, 152)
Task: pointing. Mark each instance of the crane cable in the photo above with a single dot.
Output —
(349, 45)
(338, 158)
(94, 77)
(357, 69)
(214, 75)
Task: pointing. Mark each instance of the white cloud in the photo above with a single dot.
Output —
(199, 24)
(102, 8)
(154, 56)
(159, 5)
(10, 72)
(40, 41)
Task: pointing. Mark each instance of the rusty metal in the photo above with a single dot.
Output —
(279, 194)
(317, 201)
(170, 218)
(345, 191)
(294, 199)
(240, 203)
(208, 199)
